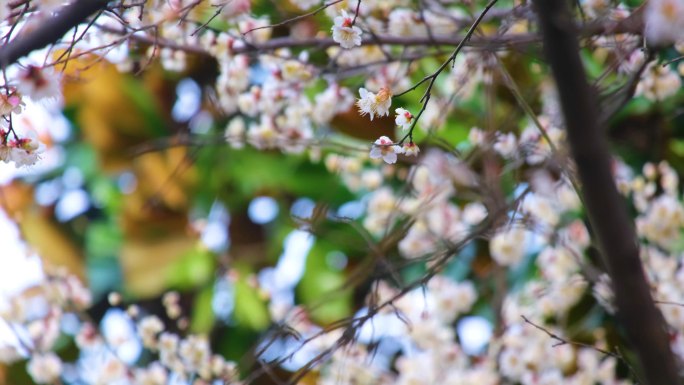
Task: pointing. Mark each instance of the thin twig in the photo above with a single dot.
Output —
(562, 341)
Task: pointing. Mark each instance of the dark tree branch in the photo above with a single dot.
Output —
(642, 322)
(50, 31)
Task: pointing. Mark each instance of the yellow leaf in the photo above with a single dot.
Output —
(146, 261)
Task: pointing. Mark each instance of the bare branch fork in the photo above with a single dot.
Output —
(636, 311)
(432, 78)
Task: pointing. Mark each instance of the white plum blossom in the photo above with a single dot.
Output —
(153, 374)
(433, 208)
(663, 221)
(410, 149)
(148, 328)
(557, 263)
(381, 207)
(263, 135)
(45, 368)
(235, 133)
(334, 100)
(664, 21)
(417, 242)
(451, 299)
(658, 82)
(372, 179)
(508, 246)
(194, 351)
(404, 118)
(405, 22)
(374, 104)
(345, 32)
(506, 145)
(474, 213)
(541, 209)
(476, 136)
(386, 149)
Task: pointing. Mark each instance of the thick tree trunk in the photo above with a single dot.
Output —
(614, 230)
(49, 31)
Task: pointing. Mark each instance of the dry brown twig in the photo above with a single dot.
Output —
(563, 341)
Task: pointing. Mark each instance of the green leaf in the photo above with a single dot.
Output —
(193, 269)
(202, 313)
(102, 240)
(250, 308)
(320, 289)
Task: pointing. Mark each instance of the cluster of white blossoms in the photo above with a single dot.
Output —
(656, 196)
(345, 32)
(268, 96)
(54, 310)
(36, 316)
(284, 93)
(416, 327)
(184, 358)
(659, 82)
(273, 99)
(521, 354)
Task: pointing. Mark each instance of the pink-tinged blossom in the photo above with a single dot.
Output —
(410, 149)
(22, 151)
(404, 118)
(345, 32)
(384, 148)
(374, 104)
(11, 103)
(506, 145)
(88, 337)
